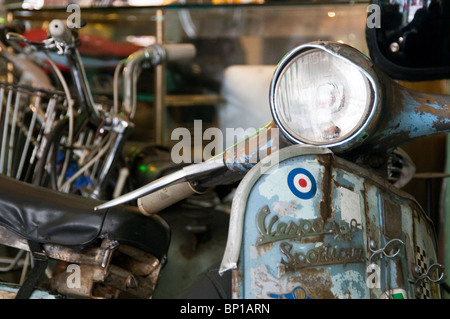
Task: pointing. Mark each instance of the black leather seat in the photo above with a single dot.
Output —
(45, 216)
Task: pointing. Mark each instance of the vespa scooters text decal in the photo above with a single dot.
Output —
(275, 230)
(321, 256)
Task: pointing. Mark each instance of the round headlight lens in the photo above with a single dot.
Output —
(320, 98)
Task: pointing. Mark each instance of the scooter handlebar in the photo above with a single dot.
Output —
(163, 198)
(60, 32)
(179, 51)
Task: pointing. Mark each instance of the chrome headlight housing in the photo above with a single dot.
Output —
(325, 94)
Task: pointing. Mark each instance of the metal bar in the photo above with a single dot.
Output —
(29, 136)
(5, 133)
(12, 136)
(159, 83)
(111, 157)
(12, 263)
(81, 83)
(2, 93)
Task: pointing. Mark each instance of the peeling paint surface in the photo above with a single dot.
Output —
(349, 285)
(276, 191)
(321, 246)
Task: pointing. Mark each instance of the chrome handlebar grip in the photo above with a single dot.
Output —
(155, 54)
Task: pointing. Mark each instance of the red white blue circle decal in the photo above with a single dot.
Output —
(301, 183)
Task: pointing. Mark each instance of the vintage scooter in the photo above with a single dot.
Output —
(319, 212)
(314, 215)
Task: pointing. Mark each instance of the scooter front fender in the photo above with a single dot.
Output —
(316, 226)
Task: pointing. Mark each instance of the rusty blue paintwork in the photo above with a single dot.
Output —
(356, 237)
(409, 115)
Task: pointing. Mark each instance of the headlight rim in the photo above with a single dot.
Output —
(363, 64)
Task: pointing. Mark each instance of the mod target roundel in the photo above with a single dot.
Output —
(301, 183)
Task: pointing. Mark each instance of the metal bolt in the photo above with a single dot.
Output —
(417, 270)
(132, 282)
(394, 47)
(372, 244)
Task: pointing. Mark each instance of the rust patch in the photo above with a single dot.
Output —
(262, 249)
(316, 282)
(399, 279)
(318, 239)
(325, 209)
(236, 278)
(349, 187)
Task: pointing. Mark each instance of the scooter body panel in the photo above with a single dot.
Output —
(317, 226)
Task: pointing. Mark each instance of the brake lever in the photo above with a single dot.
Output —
(46, 44)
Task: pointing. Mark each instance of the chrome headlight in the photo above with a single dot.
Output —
(325, 94)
